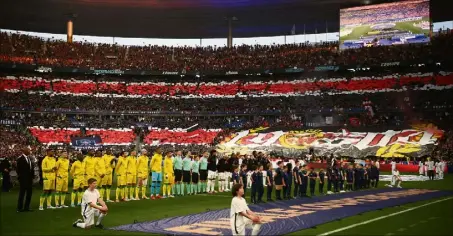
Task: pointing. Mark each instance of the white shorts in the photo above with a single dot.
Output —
(88, 216)
(240, 228)
(212, 174)
(222, 176)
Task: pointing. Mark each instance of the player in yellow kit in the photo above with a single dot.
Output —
(62, 179)
(49, 169)
(78, 176)
(109, 161)
(156, 173)
(120, 170)
(131, 175)
(89, 163)
(142, 174)
(99, 170)
(168, 175)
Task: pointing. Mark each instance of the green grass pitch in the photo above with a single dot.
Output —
(435, 219)
(364, 29)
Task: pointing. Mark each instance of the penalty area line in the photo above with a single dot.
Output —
(383, 217)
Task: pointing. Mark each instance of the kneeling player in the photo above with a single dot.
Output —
(90, 209)
(241, 216)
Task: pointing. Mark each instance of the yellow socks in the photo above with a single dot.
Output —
(164, 189)
(123, 189)
(73, 196)
(117, 193)
(169, 189)
(80, 197)
(131, 191)
(57, 199)
(49, 200)
(143, 191)
(62, 198)
(42, 198)
(101, 192)
(136, 192)
(108, 194)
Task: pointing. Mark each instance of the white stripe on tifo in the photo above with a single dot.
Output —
(383, 217)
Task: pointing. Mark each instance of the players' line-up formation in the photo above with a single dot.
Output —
(133, 173)
(182, 173)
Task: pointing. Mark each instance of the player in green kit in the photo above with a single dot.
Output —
(195, 176)
(177, 164)
(203, 171)
(186, 167)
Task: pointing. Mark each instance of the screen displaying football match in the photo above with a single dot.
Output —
(401, 22)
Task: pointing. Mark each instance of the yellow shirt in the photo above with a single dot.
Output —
(108, 164)
(168, 166)
(142, 166)
(89, 163)
(99, 167)
(131, 165)
(77, 169)
(47, 165)
(62, 167)
(156, 163)
(121, 166)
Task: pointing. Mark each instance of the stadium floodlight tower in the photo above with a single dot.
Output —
(230, 20)
(70, 26)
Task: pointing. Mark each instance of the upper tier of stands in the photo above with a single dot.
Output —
(30, 50)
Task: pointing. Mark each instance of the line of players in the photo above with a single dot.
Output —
(182, 173)
(432, 168)
(339, 178)
(177, 174)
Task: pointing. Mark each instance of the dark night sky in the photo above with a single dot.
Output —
(184, 18)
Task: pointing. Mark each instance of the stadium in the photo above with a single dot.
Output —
(385, 24)
(211, 117)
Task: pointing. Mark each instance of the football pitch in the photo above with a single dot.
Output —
(364, 30)
(432, 216)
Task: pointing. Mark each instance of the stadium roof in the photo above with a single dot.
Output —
(183, 18)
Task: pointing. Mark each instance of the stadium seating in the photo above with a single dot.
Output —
(30, 50)
(223, 89)
(63, 135)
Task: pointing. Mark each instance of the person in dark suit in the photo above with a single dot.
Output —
(25, 174)
(6, 169)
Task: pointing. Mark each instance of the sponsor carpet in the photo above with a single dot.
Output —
(288, 216)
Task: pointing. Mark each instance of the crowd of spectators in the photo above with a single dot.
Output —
(26, 49)
(13, 140)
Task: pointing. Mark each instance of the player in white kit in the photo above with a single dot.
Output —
(90, 207)
(442, 168)
(393, 163)
(241, 217)
(420, 167)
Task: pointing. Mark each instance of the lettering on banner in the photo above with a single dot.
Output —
(194, 229)
(231, 73)
(211, 227)
(289, 213)
(170, 73)
(387, 64)
(269, 217)
(259, 139)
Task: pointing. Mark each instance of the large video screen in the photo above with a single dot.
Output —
(401, 22)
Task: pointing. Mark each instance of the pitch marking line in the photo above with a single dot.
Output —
(383, 217)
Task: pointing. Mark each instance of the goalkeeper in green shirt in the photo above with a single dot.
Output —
(177, 165)
(186, 168)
